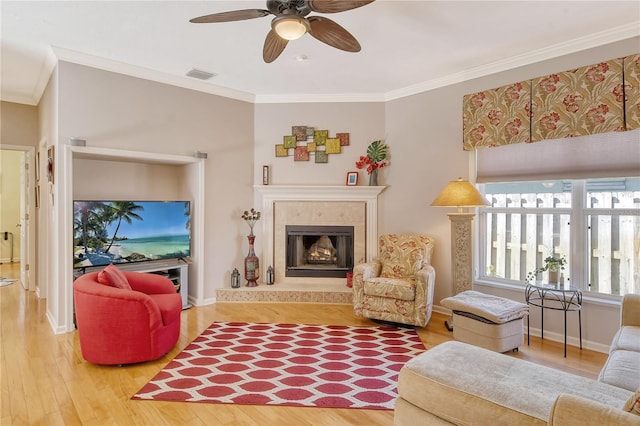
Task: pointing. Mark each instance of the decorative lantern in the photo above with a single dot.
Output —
(235, 278)
(350, 279)
(270, 275)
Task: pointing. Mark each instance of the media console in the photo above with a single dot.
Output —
(175, 269)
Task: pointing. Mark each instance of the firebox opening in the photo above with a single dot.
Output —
(319, 251)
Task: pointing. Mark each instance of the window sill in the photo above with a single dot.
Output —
(589, 298)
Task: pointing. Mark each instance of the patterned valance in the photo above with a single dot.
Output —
(584, 101)
(497, 117)
(632, 91)
(581, 102)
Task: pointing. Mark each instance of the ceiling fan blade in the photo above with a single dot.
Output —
(234, 15)
(335, 6)
(333, 34)
(273, 47)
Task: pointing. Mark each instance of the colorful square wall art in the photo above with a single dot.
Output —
(305, 141)
(300, 132)
(322, 157)
(344, 138)
(289, 141)
(333, 146)
(320, 136)
(301, 154)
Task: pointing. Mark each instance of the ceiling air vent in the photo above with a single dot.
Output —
(200, 75)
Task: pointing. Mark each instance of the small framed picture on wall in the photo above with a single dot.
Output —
(37, 166)
(51, 160)
(352, 178)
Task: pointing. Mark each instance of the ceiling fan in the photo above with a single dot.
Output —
(291, 23)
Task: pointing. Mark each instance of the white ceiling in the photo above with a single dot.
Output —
(407, 46)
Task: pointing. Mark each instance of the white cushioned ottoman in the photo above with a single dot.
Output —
(496, 337)
(491, 322)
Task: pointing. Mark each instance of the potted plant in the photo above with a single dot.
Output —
(552, 264)
(375, 159)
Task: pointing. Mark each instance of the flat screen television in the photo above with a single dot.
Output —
(116, 232)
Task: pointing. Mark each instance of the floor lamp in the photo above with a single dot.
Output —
(460, 193)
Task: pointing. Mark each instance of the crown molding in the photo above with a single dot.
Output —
(38, 89)
(47, 69)
(573, 46)
(149, 74)
(320, 98)
(18, 99)
(560, 49)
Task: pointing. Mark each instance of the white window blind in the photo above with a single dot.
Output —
(615, 154)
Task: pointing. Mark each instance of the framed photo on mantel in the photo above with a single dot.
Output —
(352, 178)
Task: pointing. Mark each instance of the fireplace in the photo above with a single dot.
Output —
(319, 251)
(282, 205)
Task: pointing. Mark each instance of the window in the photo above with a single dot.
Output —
(593, 223)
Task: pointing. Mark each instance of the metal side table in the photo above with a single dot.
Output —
(559, 297)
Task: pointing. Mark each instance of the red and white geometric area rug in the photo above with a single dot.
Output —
(288, 364)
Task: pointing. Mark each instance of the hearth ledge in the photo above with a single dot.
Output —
(283, 293)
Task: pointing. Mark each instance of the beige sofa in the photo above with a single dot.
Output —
(622, 368)
(458, 383)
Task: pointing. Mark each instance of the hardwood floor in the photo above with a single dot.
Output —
(45, 381)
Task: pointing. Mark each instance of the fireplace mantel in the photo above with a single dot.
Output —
(275, 193)
(320, 192)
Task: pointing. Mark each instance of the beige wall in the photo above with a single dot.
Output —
(427, 129)
(18, 124)
(364, 122)
(93, 180)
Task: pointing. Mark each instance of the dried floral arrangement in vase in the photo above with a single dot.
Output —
(251, 262)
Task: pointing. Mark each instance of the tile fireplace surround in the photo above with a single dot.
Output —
(309, 205)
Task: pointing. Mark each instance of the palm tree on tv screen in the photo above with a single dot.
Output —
(104, 216)
(187, 213)
(123, 210)
(85, 221)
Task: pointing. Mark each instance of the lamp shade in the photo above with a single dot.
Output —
(290, 27)
(460, 193)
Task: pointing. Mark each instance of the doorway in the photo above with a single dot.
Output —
(17, 212)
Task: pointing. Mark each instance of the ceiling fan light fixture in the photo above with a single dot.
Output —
(290, 27)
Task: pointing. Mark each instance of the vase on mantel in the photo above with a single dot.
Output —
(251, 264)
(373, 178)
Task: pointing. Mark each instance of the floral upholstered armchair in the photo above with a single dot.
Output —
(398, 285)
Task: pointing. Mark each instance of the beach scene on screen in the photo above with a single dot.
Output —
(130, 231)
